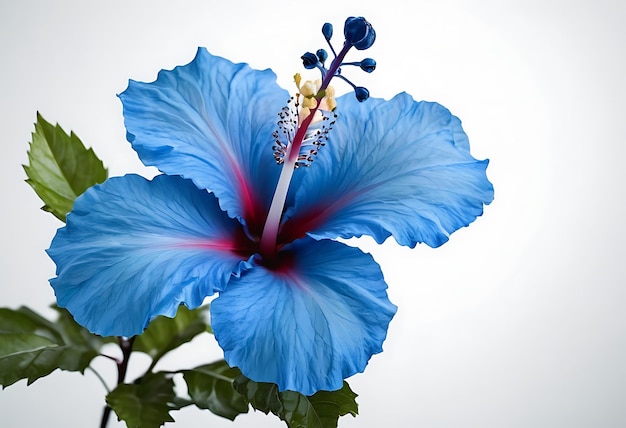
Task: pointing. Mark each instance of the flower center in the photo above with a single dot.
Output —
(304, 124)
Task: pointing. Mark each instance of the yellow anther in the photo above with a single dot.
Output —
(303, 114)
(309, 102)
(310, 92)
(309, 89)
(328, 104)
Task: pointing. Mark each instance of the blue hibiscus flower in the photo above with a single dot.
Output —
(295, 307)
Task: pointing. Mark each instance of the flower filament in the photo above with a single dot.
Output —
(292, 116)
(304, 125)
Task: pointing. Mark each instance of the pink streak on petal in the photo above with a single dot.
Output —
(245, 193)
(212, 245)
(297, 226)
(286, 268)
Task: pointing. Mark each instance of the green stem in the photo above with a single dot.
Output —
(154, 363)
(100, 378)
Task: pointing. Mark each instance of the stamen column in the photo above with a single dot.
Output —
(272, 223)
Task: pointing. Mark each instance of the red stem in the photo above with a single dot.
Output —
(126, 346)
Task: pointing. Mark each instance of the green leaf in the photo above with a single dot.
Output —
(76, 334)
(165, 334)
(24, 320)
(321, 410)
(60, 168)
(32, 347)
(145, 404)
(211, 387)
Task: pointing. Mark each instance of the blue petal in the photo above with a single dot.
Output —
(308, 323)
(398, 167)
(211, 121)
(133, 249)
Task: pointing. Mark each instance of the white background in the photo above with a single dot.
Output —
(516, 322)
